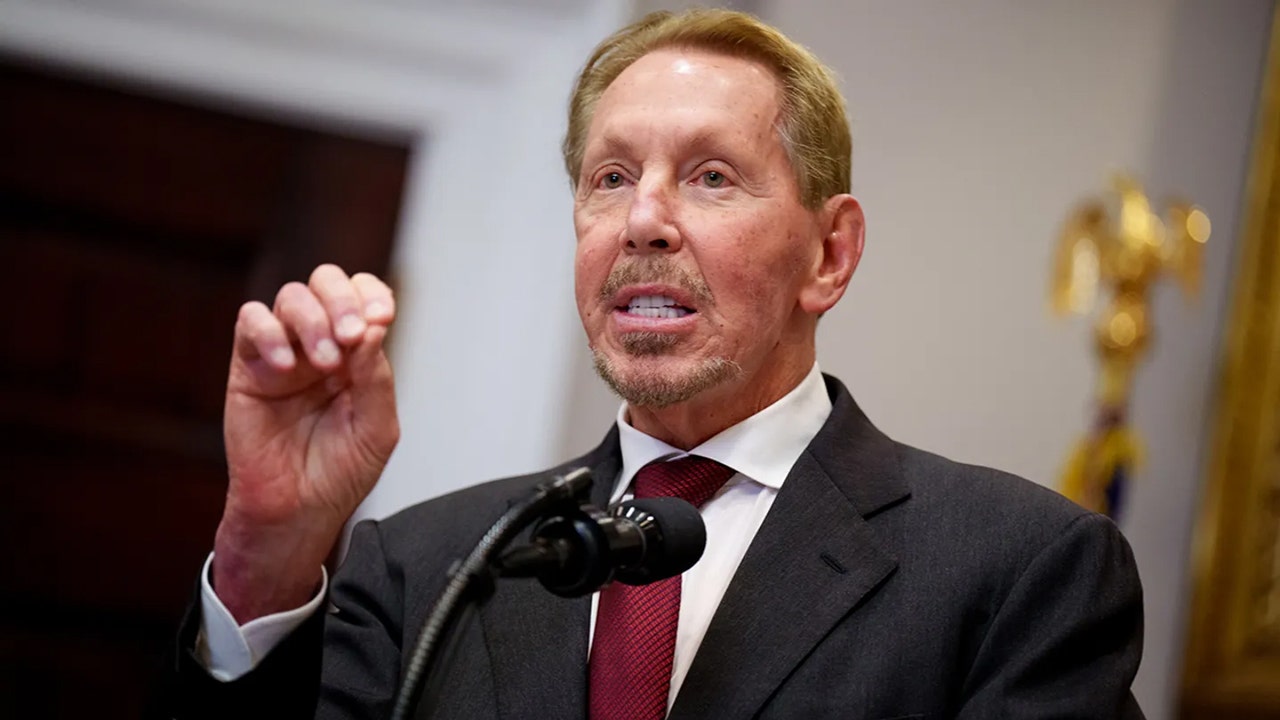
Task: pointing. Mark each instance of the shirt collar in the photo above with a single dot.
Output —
(762, 448)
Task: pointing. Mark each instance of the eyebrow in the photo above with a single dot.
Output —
(704, 139)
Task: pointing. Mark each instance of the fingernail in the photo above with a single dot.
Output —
(375, 310)
(282, 357)
(350, 327)
(327, 352)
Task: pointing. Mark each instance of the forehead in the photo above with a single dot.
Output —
(688, 93)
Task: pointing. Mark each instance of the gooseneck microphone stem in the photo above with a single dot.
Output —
(470, 585)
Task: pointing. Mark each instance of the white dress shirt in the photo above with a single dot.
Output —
(761, 450)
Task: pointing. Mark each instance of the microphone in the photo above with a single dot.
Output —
(640, 542)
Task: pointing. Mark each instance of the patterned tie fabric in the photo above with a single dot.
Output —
(635, 638)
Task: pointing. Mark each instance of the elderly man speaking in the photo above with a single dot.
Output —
(845, 575)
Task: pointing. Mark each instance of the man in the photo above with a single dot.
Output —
(845, 575)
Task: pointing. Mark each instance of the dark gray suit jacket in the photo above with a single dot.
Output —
(886, 582)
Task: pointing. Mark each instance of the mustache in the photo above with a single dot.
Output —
(658, 270)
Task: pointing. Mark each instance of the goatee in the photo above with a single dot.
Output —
(657, 390)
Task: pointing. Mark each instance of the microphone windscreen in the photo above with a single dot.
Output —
(680, 538)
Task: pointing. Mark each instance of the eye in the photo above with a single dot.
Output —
(611, 181)
(713, 178)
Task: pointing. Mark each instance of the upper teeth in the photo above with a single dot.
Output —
(656, 306)
(652, 301)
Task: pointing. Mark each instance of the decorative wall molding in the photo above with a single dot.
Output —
(376, 65)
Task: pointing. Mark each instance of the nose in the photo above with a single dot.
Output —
(651, 226)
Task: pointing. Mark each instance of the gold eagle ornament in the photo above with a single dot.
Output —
(1117, 246)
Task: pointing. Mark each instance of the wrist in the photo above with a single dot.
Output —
(260, 570)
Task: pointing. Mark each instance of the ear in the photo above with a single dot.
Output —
(841, 223)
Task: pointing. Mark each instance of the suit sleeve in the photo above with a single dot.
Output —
(283, 685)
(362, 653)
(336, 665)
(1067, 639)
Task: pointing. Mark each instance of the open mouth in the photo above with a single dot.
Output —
(656, 306)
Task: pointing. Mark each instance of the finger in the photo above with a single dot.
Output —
(366, 362)
(379, 301)
(373, 393)
(304, 318)
(259, 334)
(341, 301)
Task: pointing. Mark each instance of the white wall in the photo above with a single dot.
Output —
(976, 126)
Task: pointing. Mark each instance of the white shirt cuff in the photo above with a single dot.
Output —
(228, 650)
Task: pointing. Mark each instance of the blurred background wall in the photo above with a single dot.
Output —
(976, 126)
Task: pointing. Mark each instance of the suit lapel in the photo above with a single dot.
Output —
(537, 642)
(814, 559)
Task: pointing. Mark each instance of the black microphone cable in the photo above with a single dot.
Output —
(475, 575)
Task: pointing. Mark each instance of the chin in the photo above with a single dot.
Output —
(659, 382)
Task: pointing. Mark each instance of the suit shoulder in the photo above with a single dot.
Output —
(468, 511)
(985, 500)
(971, 532)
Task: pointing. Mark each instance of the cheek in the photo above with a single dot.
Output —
(591, 269)
(761, 260)
(759, 282)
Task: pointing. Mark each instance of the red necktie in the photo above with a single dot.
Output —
(635, 638)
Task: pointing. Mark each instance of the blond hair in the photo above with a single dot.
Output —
(813, 126)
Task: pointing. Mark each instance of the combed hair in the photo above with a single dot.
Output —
(813, 125)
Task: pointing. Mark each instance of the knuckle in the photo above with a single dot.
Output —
(314, 324)
(369, 281)
(326, 271)
(290, 292)
(253, 320)
(379, 295)
(253, 332)
(304, 315)
(365, 278)
(247, 312)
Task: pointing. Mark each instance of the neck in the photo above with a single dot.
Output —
(688, 424)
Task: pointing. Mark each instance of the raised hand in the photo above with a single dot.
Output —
(310, 422)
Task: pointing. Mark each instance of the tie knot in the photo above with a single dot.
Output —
(691, 478)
